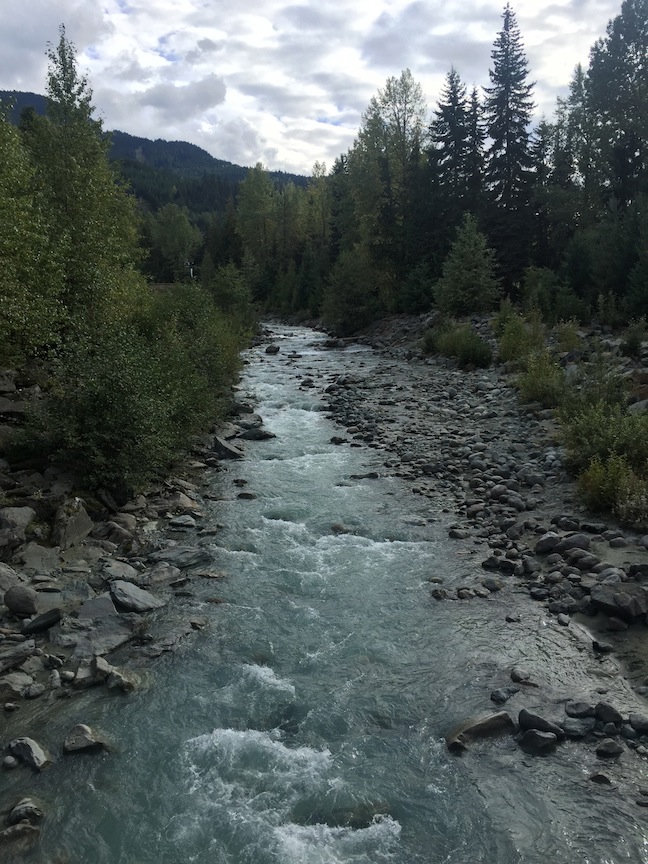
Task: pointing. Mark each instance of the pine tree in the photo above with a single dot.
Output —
(508, 112)
(469, 285)
(449, 134)
(475, 155)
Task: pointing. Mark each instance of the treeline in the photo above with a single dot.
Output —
(424, 212)
(127, 372)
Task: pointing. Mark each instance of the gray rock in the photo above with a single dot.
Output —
(519, 675)
(30, 753)
(580, 709)
(530, 720)
(39, 558)
(609, 748)
(607, 713)
(184, 521)
(27, 809)
(81, 738)
(503, 694)
(547, 543)
(628, 601)
(578, 727)
(97, 607)
(21, 601)
(225, 450)
(574, 541)
(133, 599)
(16, 655)
(71, 524)
(535, 741)
(14, 685)
(42, 622)
(182, 556)
(21, 836)
(161, 574)
(479, 727)
(116, 569)
(18, 517)
(493, 583)
(639, 723)
(8, 578)
(90, 638)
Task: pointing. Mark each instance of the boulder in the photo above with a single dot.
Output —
(609, 749)
(21, 601)
(27, 809)
(479, 727)
(16, 654)
(574, 541)
(536, 741)
(42, 622)
(30, 752)
(225, 450)
(547, 543)
(607, 713)
(39, 558)
(628, 600)
(18, 517)
(71, 524)
(639, 723)
(530, 720)
(578, 727)
(116, 569)
(182, 556)
(97, 607)
(8, 578)
(82, 738)
(13, 685)
(133, 599)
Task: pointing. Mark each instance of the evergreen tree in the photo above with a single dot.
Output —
(449, 134)
(475, 155)
(508, 112)
(469, 285)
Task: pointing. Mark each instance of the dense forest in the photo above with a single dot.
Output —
(131, 267)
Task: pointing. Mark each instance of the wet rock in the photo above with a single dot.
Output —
(18, 517)
(82, 738)
(8, 578)
(628, 601)
(503, 694)
(577, 728)
(530, 720)
(573, 541)
(600, 778)
(39, 558)
(492, 583)
(547, 543)
(519, 675)
(639, 723)
(225, 450)
(609, 749)
(182, 556)
(13, 685)
(10, 762)
(29, 752)
(116, 569)
(535, 741)
(97, 607)
(580, 709)
(21, 600)
(272, 349)
(21, 836)
(27, 809)
(133, 599)
(607, 713)
(491, 724)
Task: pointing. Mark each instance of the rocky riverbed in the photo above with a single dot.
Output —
(87, 579)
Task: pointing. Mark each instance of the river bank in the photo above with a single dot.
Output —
(481, 469)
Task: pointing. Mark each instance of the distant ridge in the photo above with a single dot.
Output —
(175, 157)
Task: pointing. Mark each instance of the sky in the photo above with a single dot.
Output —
(278, 82)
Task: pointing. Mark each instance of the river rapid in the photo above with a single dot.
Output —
(306, 723)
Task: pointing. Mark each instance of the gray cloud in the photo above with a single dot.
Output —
(184, 101)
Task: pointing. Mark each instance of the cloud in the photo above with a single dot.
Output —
(182, 101)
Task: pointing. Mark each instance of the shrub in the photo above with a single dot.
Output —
(504, 314)
(633, 338)
(599, 483)
(543, 381)
(460, 341)
(520, 337)
(632, 502)
(567, 338)
(603, 430)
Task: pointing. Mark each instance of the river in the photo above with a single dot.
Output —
(305, 724)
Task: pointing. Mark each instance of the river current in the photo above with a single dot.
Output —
(305, 724)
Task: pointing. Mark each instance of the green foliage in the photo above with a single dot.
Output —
(468, 285)
(600, 429)
(520, 337)
(173, 244)
(634, 337)
(458, 340)
(632, 502)
(232, 294)
(567, 338)
(600, 482)
(417, 294)
(543, 290)
(607, 311)
(543, 380)
(504, 314)
(351, 298)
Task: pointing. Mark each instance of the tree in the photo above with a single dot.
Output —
(468, 285)
(508, 112)
(174, 242)
(476, 137)
(449, 134)
(617, 96)
(256, 224)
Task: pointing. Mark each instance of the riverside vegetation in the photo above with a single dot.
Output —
(111, 376)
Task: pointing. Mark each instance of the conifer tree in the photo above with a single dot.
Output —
(475, 154)
(469, 285)
(508, 112)
(450, 136)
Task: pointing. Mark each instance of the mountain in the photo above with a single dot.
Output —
(140, 157)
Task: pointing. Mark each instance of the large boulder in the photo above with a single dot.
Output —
(30, 752)
(82, 738)
(18, 517)
(21, 600)
(478, 727)
(8, 578)
(71, 524)
(133, 599)
(628, 600)
(16, 654)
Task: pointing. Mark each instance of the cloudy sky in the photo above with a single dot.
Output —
(280, 82)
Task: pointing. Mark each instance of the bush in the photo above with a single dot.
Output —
(468, 285)
(460, 341)
(567, 338)
(632, 502)
(520, 337)
(543, 381)
(633, 338)
(599, 483)
(603, 430)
